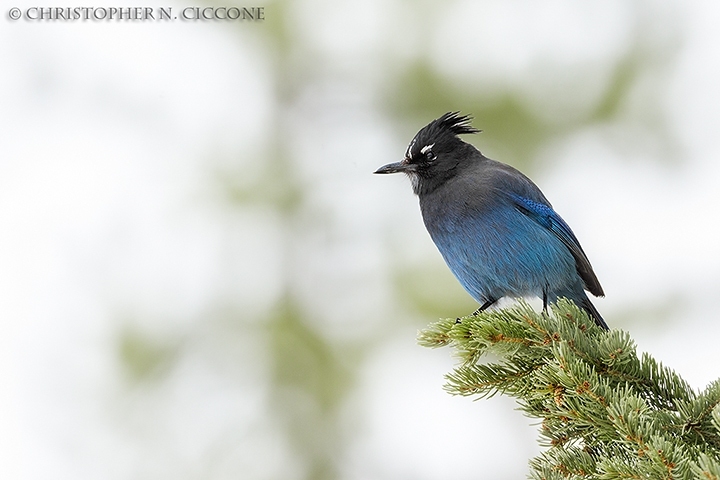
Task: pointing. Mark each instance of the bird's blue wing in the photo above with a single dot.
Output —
(545, 216)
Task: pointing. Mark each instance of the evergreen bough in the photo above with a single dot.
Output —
(606, 413)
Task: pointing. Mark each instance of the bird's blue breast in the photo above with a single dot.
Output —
(495, 250)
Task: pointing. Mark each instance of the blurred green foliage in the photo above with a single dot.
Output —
(311, 378)
(431, 291)
(144, 357)
(421, 92)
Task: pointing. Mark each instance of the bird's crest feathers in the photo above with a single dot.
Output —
(455, 123)
(452, 124)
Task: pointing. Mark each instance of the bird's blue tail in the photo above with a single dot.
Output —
(581, 300)
(587, 305)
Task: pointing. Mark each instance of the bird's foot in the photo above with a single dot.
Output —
(484, 306)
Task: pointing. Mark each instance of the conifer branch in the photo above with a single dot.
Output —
(606, 413)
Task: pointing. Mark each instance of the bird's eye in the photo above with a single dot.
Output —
(428, 153)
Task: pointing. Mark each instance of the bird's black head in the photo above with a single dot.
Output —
(436, 152)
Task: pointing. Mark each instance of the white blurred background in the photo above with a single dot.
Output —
(200, 278)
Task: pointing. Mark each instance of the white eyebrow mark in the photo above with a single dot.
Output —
(426, 148)
(408, 153)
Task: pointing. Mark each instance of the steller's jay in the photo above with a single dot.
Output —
(493, 226)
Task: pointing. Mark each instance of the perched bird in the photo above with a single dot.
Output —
(493, 226)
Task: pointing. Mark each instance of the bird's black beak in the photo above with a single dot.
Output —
(393, 168)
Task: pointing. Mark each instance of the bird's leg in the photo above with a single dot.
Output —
(482, 308)
(545, 302)
(485, 306)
